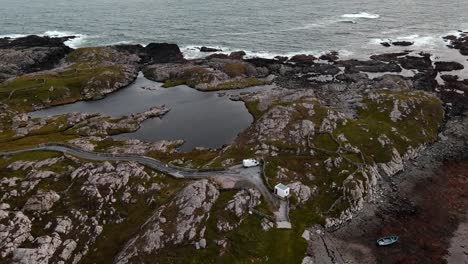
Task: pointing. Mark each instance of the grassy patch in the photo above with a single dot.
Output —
(67, 86)
(246, 244)
(235, 69)
(237, 84)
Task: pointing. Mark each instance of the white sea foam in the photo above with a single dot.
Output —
(418, 40)
(77, 42)
(361, 15)
(193, 52)
(12, 36)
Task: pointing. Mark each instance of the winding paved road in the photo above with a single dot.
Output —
(250, 175)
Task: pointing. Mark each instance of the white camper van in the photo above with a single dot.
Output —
(250, 163)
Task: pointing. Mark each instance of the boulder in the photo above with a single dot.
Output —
(218, 56)
(422, 63)
(448, 66)
(459, 43)
(402, 43)
(385, 44)
(237, 55)
(163, 53)
(208, 49)
(242, 201)
(303, 59)
(330, 56)
(281, 58)
(301, 192)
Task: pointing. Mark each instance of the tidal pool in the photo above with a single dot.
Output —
(202, 119)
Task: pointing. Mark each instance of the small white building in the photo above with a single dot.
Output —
(250, 163)
(282, 190)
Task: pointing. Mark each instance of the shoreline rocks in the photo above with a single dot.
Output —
(30, 54)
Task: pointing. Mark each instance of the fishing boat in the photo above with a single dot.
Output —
(386, 241)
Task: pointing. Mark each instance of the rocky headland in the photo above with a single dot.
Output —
(346, 135)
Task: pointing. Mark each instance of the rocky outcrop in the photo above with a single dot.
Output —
(85, 124)
(135, 146)
(15, 228)
(163, 53)
(401, 43)
(208, 49)
(87, 73)
(214, 74)
(242, 202)
(459, 42)
(420, 63)
(101, 126)
(46, 247)
(303, 59)
(42, 201)
(330, 56)
(30, 54)
(69, 222)
(356, 66)
(302, 192)
(187, 211)
(298, 123)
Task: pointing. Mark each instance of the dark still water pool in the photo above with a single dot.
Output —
(202, 119)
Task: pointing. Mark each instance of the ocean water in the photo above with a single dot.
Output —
(262, 27)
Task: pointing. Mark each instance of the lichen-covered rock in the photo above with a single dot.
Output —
(89, 73)
(15, 228)
(135, 146)
(242, 201)
(302, 192)
(42, 201)
(216, 74)
(188, 211)
(46, 247)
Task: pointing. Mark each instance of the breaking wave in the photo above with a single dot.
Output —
(361, 15)
(193, 52)
(418, 40)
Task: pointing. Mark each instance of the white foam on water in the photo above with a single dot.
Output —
(418, 40)
(13, 36)
(193, 52)
(361, 15)
(77, 42)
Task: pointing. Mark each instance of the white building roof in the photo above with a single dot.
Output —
(282, 186)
